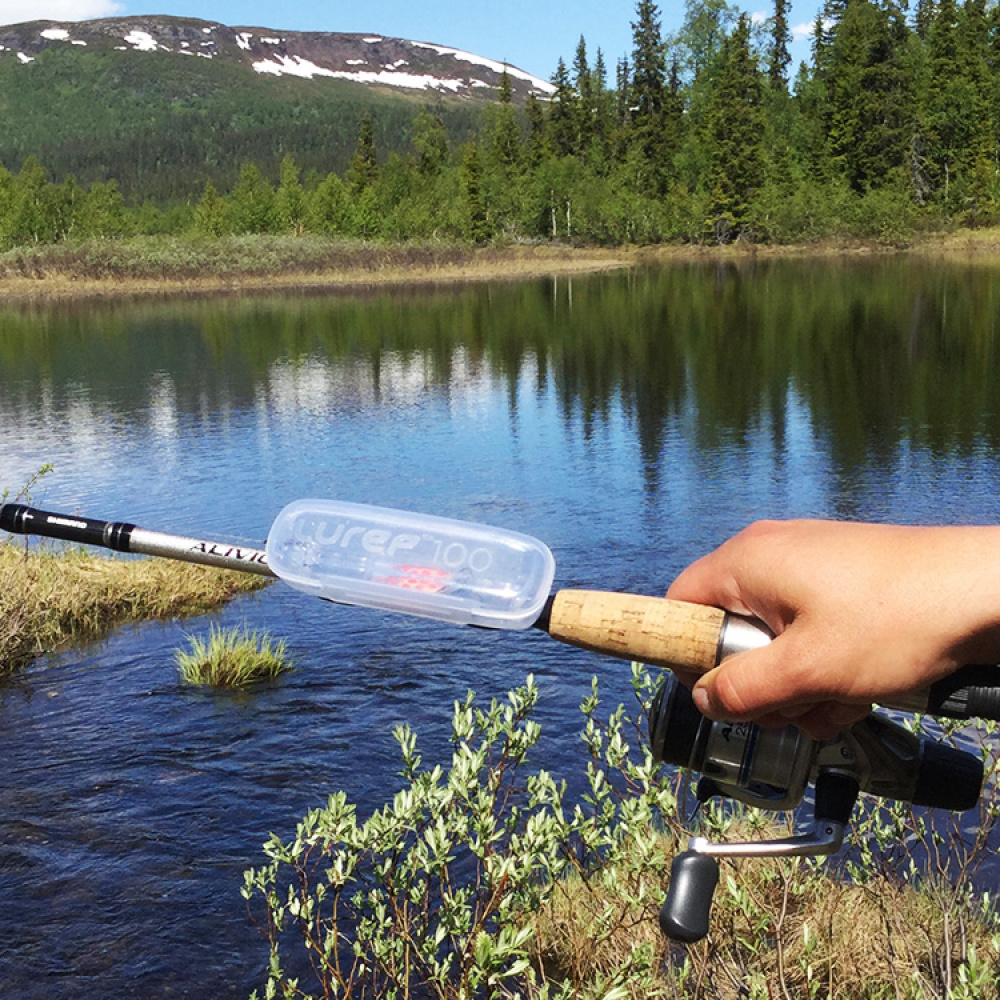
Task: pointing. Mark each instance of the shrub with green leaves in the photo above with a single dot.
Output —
(490, 879)
(442, 886)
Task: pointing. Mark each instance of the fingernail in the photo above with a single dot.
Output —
(701, 700)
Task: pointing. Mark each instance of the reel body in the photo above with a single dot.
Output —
(772, 769)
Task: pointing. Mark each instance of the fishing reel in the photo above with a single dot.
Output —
(772, 769)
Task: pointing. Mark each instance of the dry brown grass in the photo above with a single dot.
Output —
(780, 928)
(47, 598)
(249, 265)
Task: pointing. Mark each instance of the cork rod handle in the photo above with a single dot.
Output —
(652, 630)
(696, 638)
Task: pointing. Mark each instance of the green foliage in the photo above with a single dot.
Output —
(231, 658)
(736, 130)
(893, 126)
(437, 889)
(363, 172)
(210, 213)
(489, 878)
(250, 208)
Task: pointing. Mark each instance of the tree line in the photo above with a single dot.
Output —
(701, 135)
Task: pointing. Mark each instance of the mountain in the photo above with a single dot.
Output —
(162, 104)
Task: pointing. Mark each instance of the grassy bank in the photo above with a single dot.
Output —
(177, 265)
(47, 599)
(188, 266)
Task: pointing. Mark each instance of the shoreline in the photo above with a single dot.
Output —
(444, 267)
(58, 281)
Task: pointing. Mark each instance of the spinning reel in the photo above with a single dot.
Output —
(771, 769)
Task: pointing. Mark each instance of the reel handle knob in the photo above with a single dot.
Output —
(693, 878)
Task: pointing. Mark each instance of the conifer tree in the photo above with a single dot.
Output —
(101, 212)
(563, 131)
(957, 121)
(251, 204)
(329, 208)
(779, 58)
(210, 212)
(868, 96)
(586, 103)
(536, 143)
(506, 133)
(623, 90)
(290, 199)
(736, 129)
(477, 222)
(648, 65)
(649, 130)
(430, 140)
(603, 128)
(363, 171)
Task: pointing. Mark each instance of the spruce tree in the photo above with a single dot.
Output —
(586, 102)
(869, 96)
(563, 130)
(654, 113)
(604, 113)
(736, 130)
(210, 212)
(363, 171)
(506, 133)
(430, 140)
(251, 204)
(648, 64)
(536, 143)
(290, 199)
(957, 122)
(779, 58)
(476, 219)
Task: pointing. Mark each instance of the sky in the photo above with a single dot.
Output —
(529, 34)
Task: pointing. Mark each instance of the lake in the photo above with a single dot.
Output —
(631, 421)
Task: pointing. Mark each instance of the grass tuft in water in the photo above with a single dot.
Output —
(232, 658)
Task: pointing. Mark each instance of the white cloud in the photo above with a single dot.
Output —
(15, 11)
(805, 30)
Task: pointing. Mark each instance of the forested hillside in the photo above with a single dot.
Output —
(707, 136)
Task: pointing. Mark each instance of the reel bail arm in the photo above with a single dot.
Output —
(694, 873)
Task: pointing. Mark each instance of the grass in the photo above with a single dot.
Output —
(232, 658)
(48, 599)
(781, 928)
(182, 265)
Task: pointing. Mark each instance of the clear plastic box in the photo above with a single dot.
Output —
(435, 567)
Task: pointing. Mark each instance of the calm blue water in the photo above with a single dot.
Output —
(630, 421)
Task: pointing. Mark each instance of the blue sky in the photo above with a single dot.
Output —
(529, 34)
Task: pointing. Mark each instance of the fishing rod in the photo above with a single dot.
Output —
(471, 574)
(467, 573)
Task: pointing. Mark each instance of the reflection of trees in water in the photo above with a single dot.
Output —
(878, 350)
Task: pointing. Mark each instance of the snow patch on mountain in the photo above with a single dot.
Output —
(492, 64)
(365, 59)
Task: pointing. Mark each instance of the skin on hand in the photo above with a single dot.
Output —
(861, 613)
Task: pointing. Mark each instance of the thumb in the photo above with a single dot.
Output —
(747, 686)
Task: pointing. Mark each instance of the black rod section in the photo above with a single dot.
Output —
(20, 519)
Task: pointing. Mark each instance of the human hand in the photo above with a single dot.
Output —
(861, 613)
